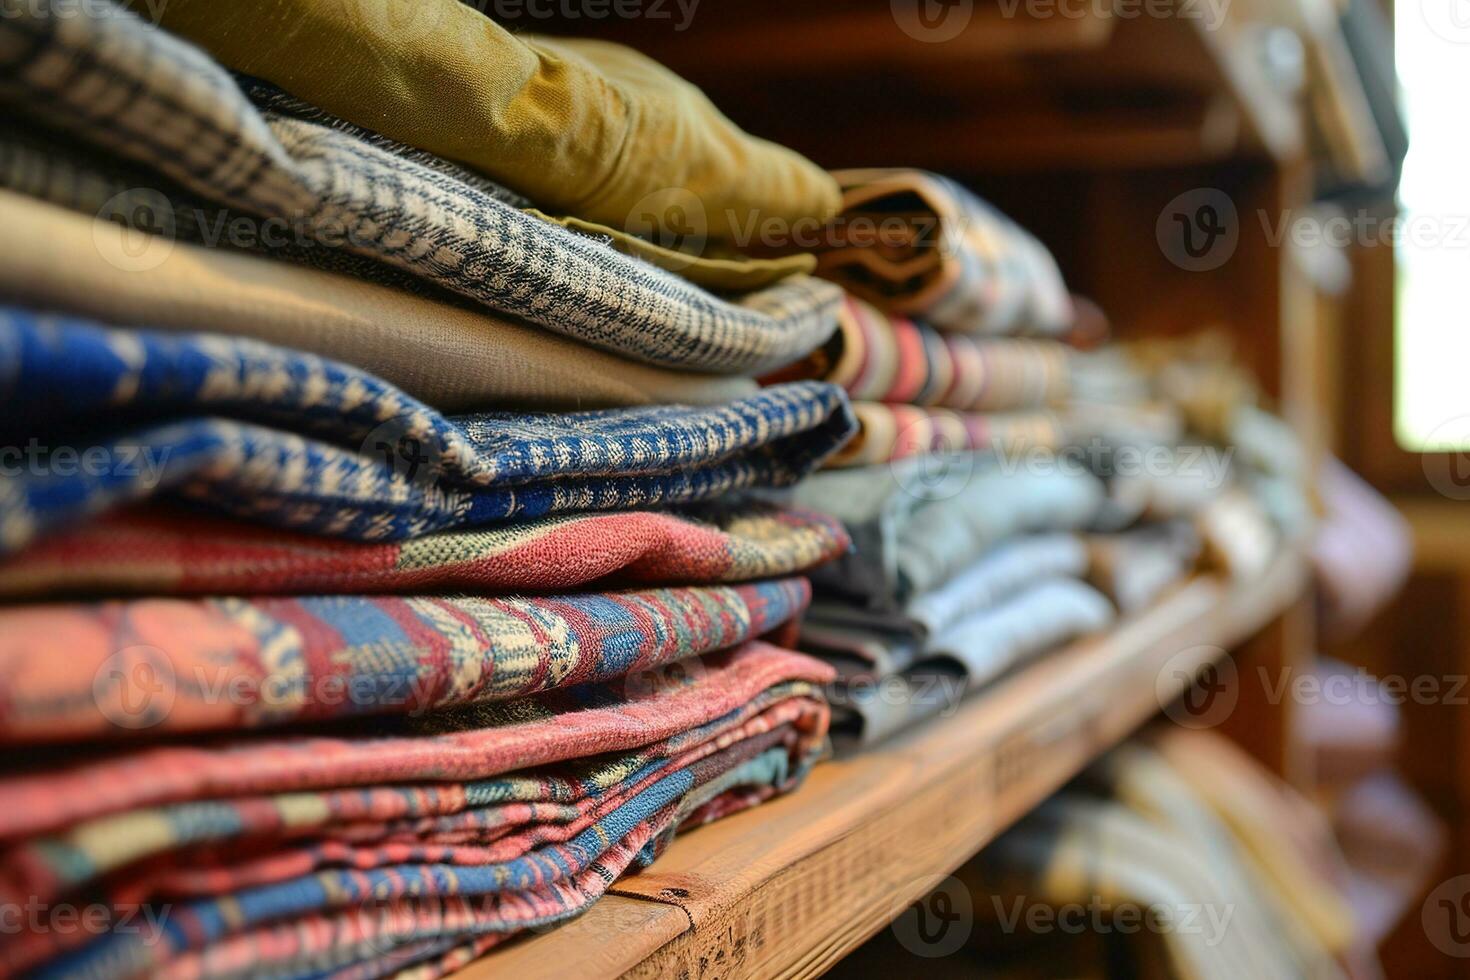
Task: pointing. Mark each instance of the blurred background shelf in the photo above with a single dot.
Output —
(791, 887)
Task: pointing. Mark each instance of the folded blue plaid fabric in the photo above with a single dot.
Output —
(108, 79)
(93, 417)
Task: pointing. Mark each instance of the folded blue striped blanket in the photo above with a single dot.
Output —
(92, 417)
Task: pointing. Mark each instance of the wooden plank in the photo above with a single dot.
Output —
(791, 887)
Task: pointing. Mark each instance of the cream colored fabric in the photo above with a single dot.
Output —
(453, 358)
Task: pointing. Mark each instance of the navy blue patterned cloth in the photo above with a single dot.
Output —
(92, 417)
(105, 78)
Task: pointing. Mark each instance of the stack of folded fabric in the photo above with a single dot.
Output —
(958, 342)
(1175, 856)
(327, 681)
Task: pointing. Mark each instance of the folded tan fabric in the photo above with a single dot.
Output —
(582, 127)
(920, 245)
(450, 357)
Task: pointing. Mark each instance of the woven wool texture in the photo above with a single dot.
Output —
(105, 77)
(169, 552)
(153, 666)
(931, 250)
(500, 821)
(876, 357)
(361, 460)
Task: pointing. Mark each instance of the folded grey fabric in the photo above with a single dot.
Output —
(1135, 567)
(106, 78)
(917, 524)
(887, 640)
(970, 654)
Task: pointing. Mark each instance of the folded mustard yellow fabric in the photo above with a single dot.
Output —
(581, 127)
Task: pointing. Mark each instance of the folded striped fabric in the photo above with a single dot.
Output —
(922, 246)
(115, 668)
(361, 459)
(888, 433)
(918, 524)
(880, 358)
(436, 348)
(307, 854)
(106, 78)
(159, 551)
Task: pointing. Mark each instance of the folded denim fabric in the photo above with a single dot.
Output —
(888, 433)
(925, 247)
(454, 358)
(748, 724)
(158, 551)
(160, 666)
(582, 127)
(112, 81)
(917, 524)
(876, 357)
(362, 460)
(973, 652)
(997, 575)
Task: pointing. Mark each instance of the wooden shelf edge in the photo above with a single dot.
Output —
(789, 888)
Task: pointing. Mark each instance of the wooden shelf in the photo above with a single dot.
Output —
(790, 887)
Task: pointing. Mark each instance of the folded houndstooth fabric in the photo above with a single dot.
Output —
(305, 854)
(361, 459)
(923, 246)
(162, 551)
(876, 357)
(150, 666)
(105, 77)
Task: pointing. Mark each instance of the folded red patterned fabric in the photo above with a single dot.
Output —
(305, 854)
(119, 668)
(164, 552)
(881, 358)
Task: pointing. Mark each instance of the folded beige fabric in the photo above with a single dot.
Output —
(582, 127)
(452, 358)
